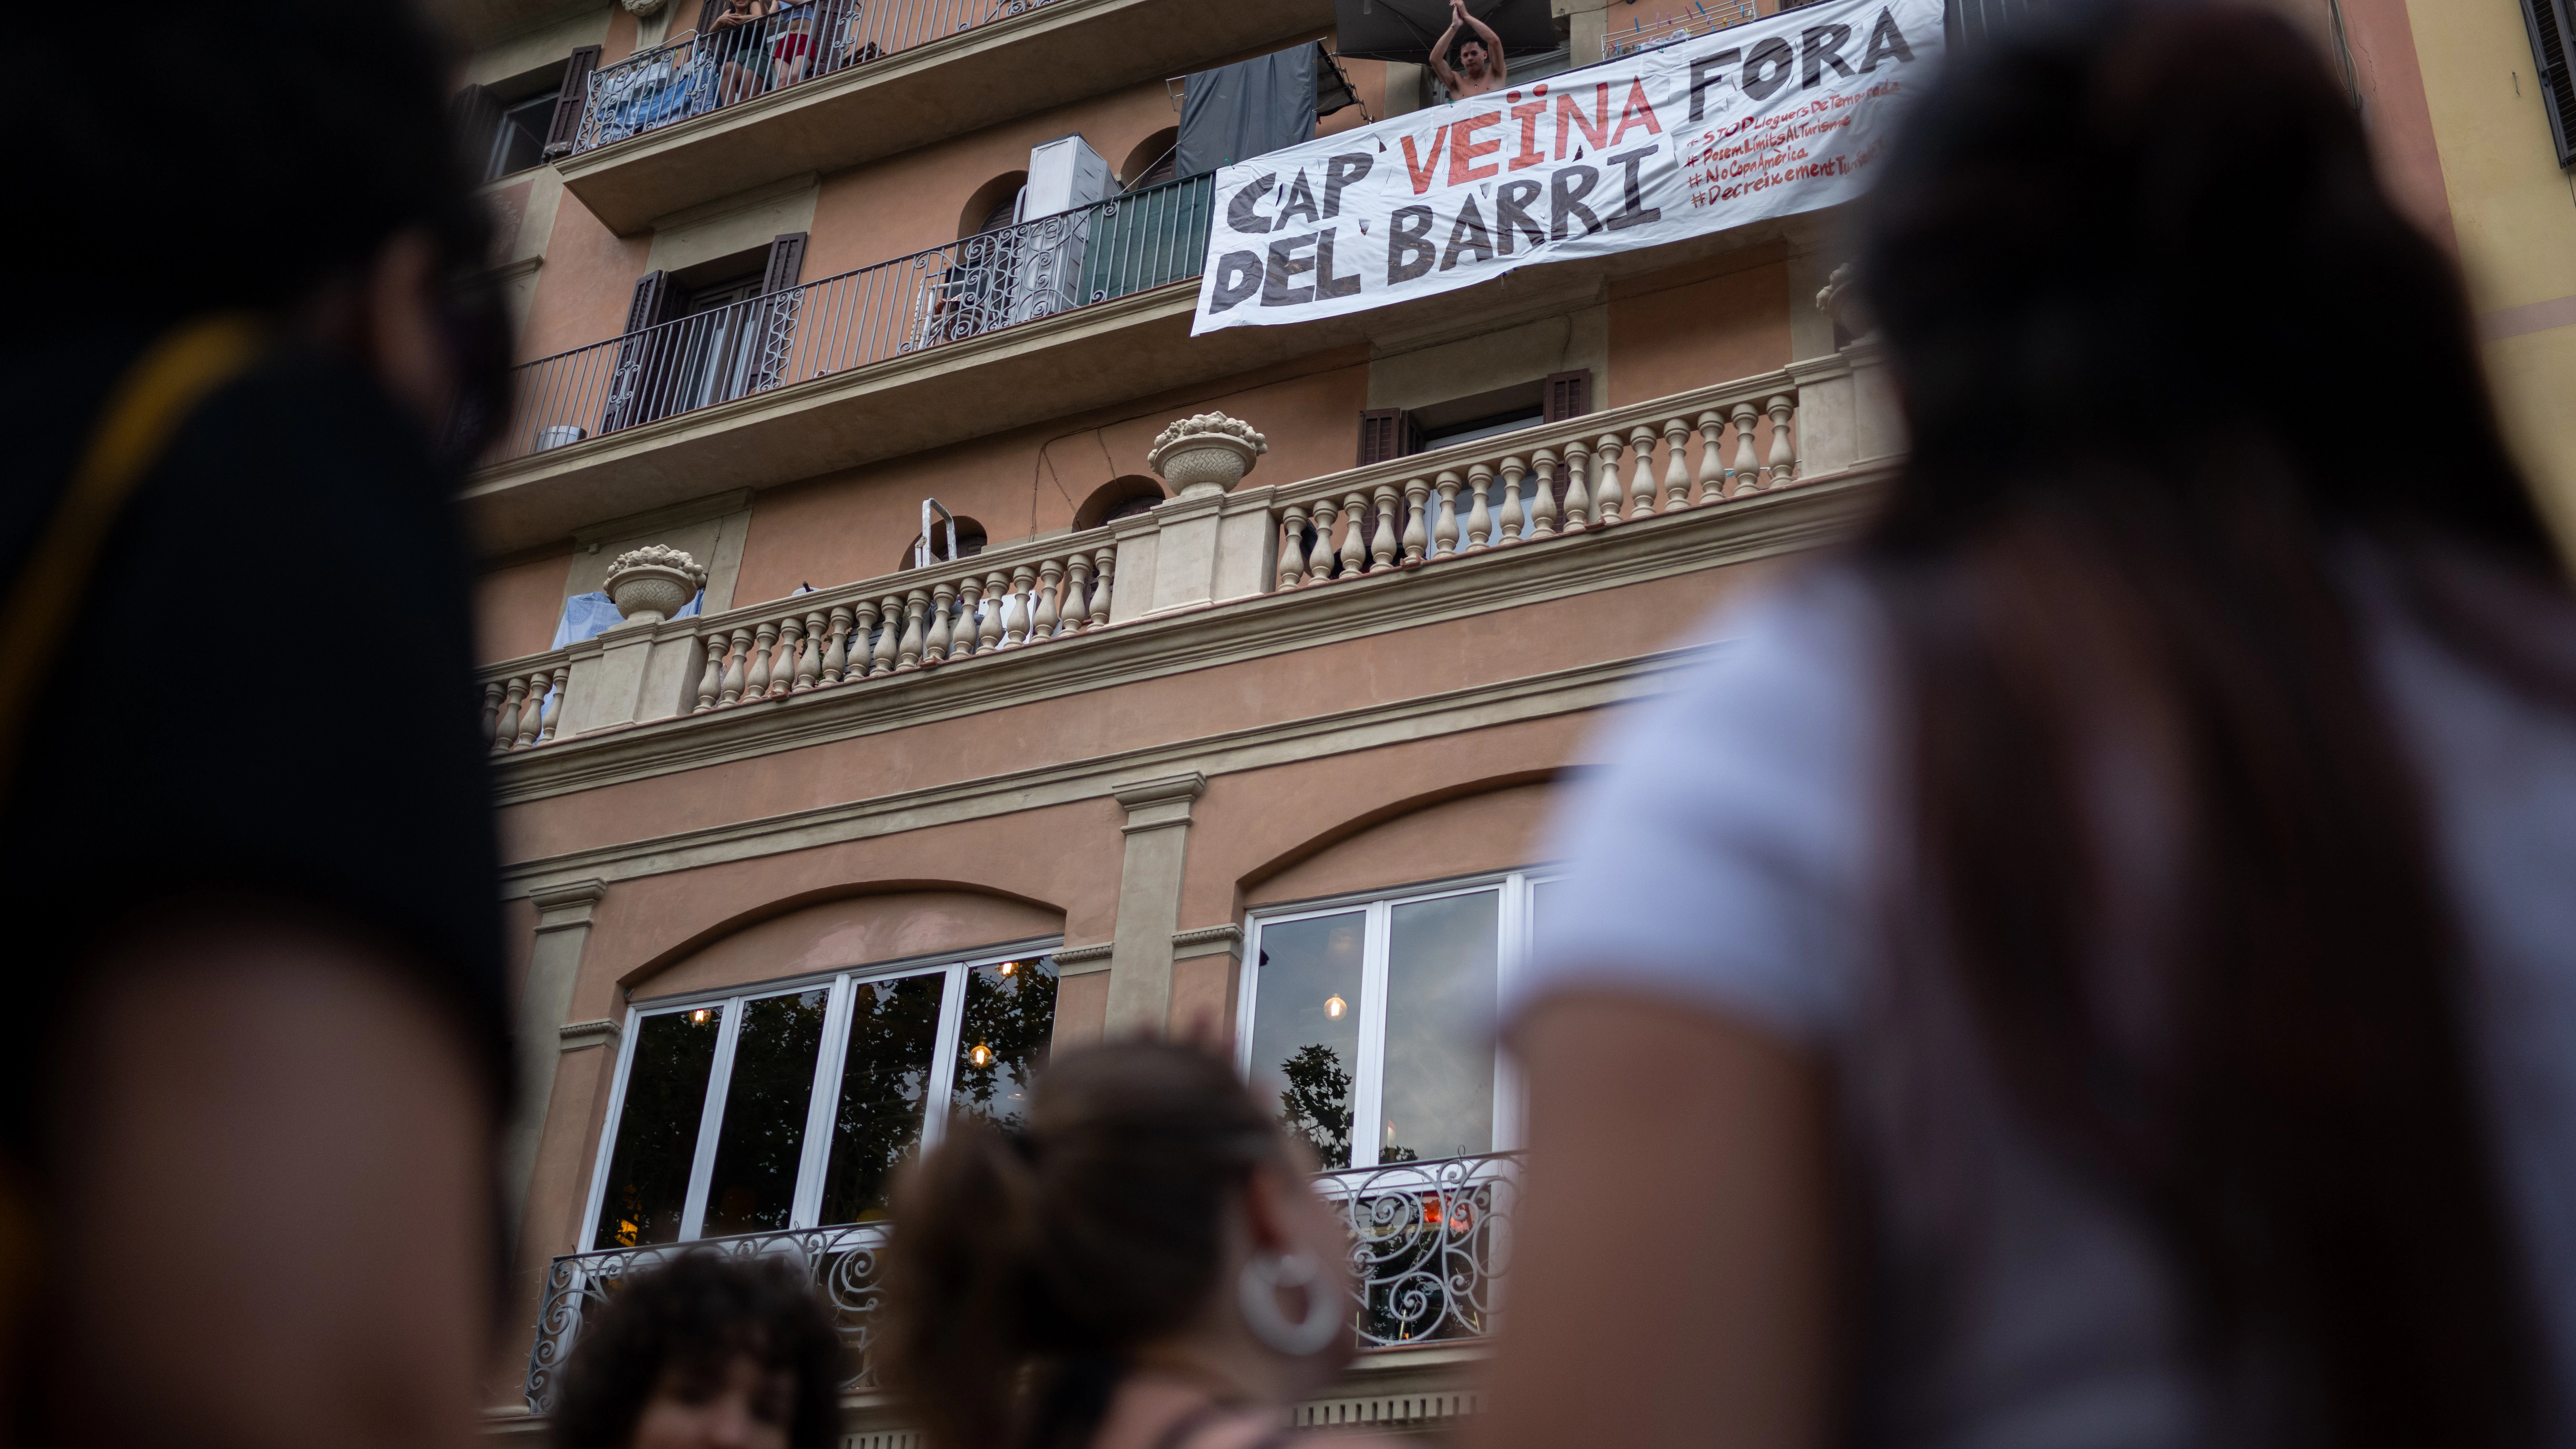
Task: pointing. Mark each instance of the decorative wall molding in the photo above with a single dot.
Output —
(1226, 940)
(578, 1034)
(1083, 960)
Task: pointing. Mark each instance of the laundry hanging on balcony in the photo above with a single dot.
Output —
(1763, 119)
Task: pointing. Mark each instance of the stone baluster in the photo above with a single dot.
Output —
(941, 642)
(908, 651)
(737, 659)
(764, 643)
(532, 715)
(522, 712)
(1609, 493)
(782, 670)
(1746, 477)
(1417, 538)
(1712, 468)
(491, 706)
(1543, 495)
(1355, 517)
(1319, 564)
(1382, 546)
(1077, 594)
(555, 690)
(1102, 561)
(809, 656)
(711, 678)
(1784, 459)
(963, 640)
(1480, 519)
(1677, 473)
(1578, 496)
(1508, 526)
(1043, 618)
(505, 720)
(1292, 547)
(1641, 487)
(836, 655)
(1015, 616)
(889, 636)
(997, 601)
(863, 639)
(1444, 515)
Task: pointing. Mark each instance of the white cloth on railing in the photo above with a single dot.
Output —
(587, 616)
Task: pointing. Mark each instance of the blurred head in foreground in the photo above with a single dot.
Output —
(2163, 344)
(301, 169)
(1150, 1220)
(709, 1352)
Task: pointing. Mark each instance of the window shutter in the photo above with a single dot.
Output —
(2546, 21)
(475, 119)
(568, 104)
(707, 15)
(1569, 395)
(654, 295)
(1386, 433)
(786, 262)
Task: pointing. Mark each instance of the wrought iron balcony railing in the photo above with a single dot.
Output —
(998, 279)
(703, 71)
(1430, 1243)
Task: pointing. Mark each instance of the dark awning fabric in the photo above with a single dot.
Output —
(1247, 109)
(1404, 29)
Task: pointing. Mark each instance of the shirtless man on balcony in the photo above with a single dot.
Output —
(1480, 58)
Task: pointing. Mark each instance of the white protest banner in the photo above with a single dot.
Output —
(1758, 120)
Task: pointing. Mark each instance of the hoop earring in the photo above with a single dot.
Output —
(1264, 1274)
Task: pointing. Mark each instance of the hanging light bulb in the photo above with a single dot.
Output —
(1334, 1006)
(1008, 967)
(980, 1055)
(702, 1016)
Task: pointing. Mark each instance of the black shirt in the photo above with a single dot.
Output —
(267, 688)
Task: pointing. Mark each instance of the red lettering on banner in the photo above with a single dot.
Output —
(1462, 150)
(1528, 115)
(1638, 112)
(1424, 168)
(1595, 127)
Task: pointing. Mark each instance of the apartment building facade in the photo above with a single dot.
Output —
(908, 650)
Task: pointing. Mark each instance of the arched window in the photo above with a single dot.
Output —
(970, 542)
(992, 205)
(1154, 160)
(1121, 497)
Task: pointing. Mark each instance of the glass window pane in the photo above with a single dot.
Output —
(1010, 1019)
(657, 1133)
(885, 1084)
(1440, 989)
(1306, 1027)
(761, 1142)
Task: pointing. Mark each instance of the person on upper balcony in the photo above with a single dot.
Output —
(737, 36)
(1480, 68)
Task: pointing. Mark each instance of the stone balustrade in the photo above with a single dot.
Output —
(1221, 541)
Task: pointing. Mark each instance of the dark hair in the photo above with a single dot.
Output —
(230, 165)
(1062, 1247)
(697, 1314)
(2152, 314)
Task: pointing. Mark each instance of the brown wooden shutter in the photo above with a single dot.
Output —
(1569, 395)
(1385, 433)
(786, 262)
(474, 118)
(707, 15)
(576, 92)
(654, 297)
(2546, 22)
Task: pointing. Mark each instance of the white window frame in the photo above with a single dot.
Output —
(823, 1098)
(1516, 892)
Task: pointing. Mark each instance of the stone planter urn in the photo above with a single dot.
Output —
(1205, 455)
(650, 584)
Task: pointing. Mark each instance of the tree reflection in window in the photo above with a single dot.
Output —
(1306, 1027)
(1002, 1042)
(885, 1085)
(761, 1143)
(657, 1134)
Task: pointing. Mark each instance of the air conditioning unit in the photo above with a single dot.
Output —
(1065, 176)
